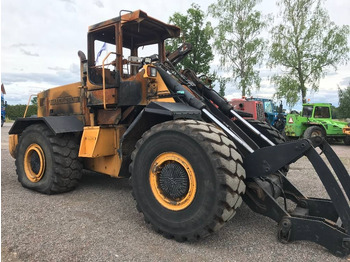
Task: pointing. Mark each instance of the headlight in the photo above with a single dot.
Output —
(151, 71)
(147, 60)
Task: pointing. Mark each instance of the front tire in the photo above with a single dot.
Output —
(48, 163)
(187, 178)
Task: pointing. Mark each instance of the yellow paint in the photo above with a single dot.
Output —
(97, 141)
(156, 167)
(61, 100)
(34, 151)
(99, 146)
(160, 86)
(346, 131)
(13, 142)
(109, 165)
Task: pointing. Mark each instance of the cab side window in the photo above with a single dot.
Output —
(321, 112)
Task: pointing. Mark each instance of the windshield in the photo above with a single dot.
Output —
(268, 107)
(307, 111)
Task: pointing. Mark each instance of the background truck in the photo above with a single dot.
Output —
(3, 105)
(190, 164)
(316, 120)
(255, 108)
(274, 114)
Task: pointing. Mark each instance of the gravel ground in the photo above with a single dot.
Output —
(99, 222)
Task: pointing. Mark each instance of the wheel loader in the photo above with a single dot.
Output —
(190, 157)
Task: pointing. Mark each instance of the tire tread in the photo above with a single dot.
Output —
(67, 167)
(226, 160)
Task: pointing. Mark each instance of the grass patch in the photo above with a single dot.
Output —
(8, 120)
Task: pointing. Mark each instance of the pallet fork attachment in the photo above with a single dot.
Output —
(323, 221)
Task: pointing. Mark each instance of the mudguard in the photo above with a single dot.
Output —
(153, 114)
(57, 124)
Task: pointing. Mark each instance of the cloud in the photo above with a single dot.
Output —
(331, 73)
(57, 79)
(74, 69)
(70, 5)
(99, 3)
(68, 1)
(56, 68)
(20, 45)
(345, 81)
(26, 52)
(20, 85)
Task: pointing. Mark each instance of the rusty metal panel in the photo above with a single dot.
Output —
(108, 117)
(62, 100)
(95, 97)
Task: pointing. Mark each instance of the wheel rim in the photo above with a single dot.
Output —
(173, 181)
(34, 163)
(316, 133)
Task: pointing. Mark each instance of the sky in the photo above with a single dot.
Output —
(40, 40)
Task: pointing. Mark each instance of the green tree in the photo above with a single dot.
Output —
(195, 31)
(344, 103)
(304, 46)
(222, 85)
(34, 101)
(15, 111)
(237, 40)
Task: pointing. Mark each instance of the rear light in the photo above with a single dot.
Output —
(151, 71)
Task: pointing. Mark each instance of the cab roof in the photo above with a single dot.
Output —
(138, 29)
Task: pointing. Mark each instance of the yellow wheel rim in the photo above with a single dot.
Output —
(182, 180)
(34, 163)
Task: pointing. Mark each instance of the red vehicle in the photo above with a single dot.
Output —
(255, 108)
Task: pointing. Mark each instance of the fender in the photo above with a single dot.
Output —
(153, 114)
(158, 112)
(57, 124)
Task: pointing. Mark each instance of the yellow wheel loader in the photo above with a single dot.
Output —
(192, 159)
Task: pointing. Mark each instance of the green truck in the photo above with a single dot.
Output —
(316, 120)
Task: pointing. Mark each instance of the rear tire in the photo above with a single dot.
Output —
(347, 140)
(48, 163)
(313, 131)
(205, 183)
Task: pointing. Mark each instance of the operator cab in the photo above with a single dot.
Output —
(316, 111)
(128, 39)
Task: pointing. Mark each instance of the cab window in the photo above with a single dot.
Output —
(321, 112)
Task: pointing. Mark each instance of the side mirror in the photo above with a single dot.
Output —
(5, 103)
